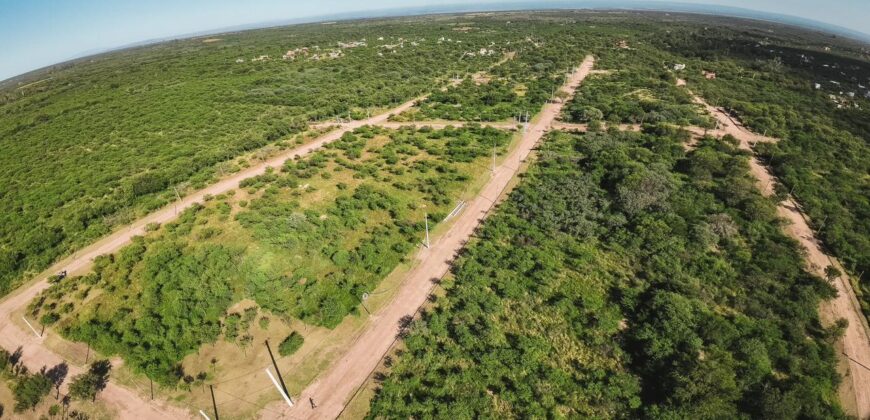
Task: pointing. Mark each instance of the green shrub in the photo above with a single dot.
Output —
(290, 344)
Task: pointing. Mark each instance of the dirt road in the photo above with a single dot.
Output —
(126, 403)
(435, 125)
(855, 343)
(334, 388)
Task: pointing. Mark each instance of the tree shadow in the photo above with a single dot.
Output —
(100, 369)
(57, 374)
(15, 357)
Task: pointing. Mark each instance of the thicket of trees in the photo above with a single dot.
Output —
(305, 242)
(624, 278)
(28, 389)
(824, 154)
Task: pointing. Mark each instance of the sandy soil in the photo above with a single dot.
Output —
(126, 403)
(334, 388)
(855, 343)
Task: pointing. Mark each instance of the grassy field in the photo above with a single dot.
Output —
(305, 244)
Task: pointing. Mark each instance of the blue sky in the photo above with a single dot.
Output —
(36, 33)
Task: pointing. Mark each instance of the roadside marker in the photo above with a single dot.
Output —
(31, 327)
(278, 387)
(204, 415)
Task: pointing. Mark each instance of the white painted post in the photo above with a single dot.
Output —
(278, 387)
(205, 416)
(31, 327)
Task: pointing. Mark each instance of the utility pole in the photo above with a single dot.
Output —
(822, 224)
(427, 230)
(177, 198)
(152, 387)
(362, 301)
(88, 354)
(213, 403)
(275, 365)
(493, 156)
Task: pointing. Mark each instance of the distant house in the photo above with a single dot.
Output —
(709, 75)
(679, 67)
(818, 86)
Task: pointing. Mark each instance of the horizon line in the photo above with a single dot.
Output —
(452, 9)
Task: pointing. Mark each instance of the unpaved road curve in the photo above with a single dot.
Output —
(855, 343)
(334, 388)
(126, 403)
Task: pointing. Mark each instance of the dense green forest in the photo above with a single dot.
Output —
(624, 278)
(305, 242)
(770, 85)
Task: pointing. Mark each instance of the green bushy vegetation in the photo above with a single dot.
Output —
(770, 86)
(94, 144)
(624, 278)
(638, 89)
(314, 237)
(290, 344)
(28, 389)
(528, 75)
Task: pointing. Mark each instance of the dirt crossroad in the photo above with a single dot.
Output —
(334, 388)
(126, 403)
